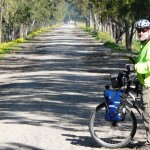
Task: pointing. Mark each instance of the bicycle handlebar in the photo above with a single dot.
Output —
(130, 67)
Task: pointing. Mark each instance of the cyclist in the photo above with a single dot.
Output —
(142, 68)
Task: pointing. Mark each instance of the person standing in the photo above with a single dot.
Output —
(142, 67)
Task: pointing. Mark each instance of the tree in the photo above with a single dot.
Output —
(22, 17)
(118, 17)
(1, 18)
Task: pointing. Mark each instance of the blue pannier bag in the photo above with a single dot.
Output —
(115, 106)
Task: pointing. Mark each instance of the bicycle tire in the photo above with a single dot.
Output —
(108, 134)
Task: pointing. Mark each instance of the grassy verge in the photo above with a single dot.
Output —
(33, 34)
(10, 46)
(108, 42)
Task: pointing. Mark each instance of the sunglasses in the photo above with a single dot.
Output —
(142, 30)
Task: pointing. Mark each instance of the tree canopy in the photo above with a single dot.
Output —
(120, 15)
(19, 17)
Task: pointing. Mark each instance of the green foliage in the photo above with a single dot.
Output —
(5, 47)
(20, 40)
(21, 16)
(114, 46)
(75, 11)
(101, 36)
(105, 36)
(39, 31)
(30, 15)
(141, 9)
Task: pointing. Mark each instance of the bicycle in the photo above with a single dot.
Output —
(117, 134)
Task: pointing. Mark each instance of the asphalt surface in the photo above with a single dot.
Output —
(49, 88)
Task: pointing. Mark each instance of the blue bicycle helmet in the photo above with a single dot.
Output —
(143, 23)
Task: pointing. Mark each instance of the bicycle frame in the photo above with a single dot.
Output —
(135, 103)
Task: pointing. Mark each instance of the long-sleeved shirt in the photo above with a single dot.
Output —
(142, 65)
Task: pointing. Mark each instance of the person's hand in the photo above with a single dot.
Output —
(130, 67)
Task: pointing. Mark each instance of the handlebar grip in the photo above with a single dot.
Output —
(130, 67)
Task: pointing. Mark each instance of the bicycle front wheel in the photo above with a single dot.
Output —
(112, 134)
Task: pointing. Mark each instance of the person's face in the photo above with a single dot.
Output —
(143, 34)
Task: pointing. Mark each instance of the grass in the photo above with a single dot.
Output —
(37, 32)
(114, 46)
(103, 37)
(108, 42)
(6, 47)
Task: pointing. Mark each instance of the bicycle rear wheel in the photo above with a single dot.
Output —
(112, 134)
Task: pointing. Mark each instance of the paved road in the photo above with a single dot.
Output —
(49, 88)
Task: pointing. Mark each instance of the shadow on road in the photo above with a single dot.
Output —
(81, 140)
(57, 83)
(14, 146)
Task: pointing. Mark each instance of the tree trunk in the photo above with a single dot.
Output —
(31, 29)
(21, 30)
(96, 22)
(12, 31)
(129, 34)
(113, 30)
(119, 33)
(0, 24)
(87, 21)
(26, 31)
(91, 16)
(100, 25)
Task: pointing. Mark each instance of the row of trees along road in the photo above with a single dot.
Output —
(20, 17)
(114, 16)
